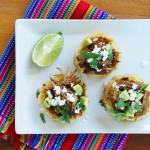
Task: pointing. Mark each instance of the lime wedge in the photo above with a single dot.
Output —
(47, 49)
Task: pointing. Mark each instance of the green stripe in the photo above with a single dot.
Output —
(113, 17)
(8, 118)
(45, 140)
(26, 137)
(43, 9)
(94, 141)
(7, 75)
(92, 13)
(25, 147)
(68, 9)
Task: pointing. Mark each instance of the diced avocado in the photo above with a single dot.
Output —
(83, 99)
(129, 114)
(108, 47)
(139, 96)
(88, 41)
(124, 94)
(78, 89)
(47, 102)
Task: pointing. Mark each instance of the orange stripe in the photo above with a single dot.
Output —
(9, 123)
(99, 140)
(73, 9)
(7, 84)
(88, 12)
(41, 141)
(109, 17)
(49, 7)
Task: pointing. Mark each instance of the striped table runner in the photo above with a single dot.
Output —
(49, 9)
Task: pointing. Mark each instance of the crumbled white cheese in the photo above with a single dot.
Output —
(104, 54)
(99, 70)
(144, 63)
(64, 90)
(122, 85)
(62, 102)
(58, 101)
(49, 94)
(103, 47)
(134, 86)
(103, 65)
(108, 69)
(132, 95)
(77, 111)
(115, 86)
(122, 108)
(96, 49)
(53, 102)
(95, 39)
(89, 60)
(76, 93)
(72, 84)
(57, 89)
(70, 97)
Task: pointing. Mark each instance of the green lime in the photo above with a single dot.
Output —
(47, 49)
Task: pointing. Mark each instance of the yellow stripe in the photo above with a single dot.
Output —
(49, 7)
(109, 17)
(7, 84)
(41, 141)
(73, 9)
(88, 12)
(9, 123)
(99, 140)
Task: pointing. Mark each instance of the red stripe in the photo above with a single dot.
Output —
(62, 11)
(29, 138)
(80, 10)
(7, 66)
(125, 142)
(49, 143)
(102, 141)
(117, 141)
(89, 141)
(39, 9)
(7, 110)
(97, 12)
(69, 141)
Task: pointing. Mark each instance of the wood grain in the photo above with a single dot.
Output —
(10, 10)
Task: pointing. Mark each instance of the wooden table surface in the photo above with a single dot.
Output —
(10, 10)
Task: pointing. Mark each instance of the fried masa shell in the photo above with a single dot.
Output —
(43, 95)
(114, 46)
(108, 103)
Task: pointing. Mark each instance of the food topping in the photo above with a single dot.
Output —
(129, 98)
(65, 96)
(98, 56)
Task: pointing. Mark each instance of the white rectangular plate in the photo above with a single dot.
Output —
(133, 38)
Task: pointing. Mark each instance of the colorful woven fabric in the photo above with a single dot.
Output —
(49, 9)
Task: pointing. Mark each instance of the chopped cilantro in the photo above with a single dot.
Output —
(42, 117)
(102, 103)
(60, 33)
(125, 87)
(81, 105)
(118, 115)
(110, 54)
(143, 88)
(89, 55)
(94, 62)
(121, 103)
(37, 93)
(63, 83)
(138, 107)
(65, 116)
